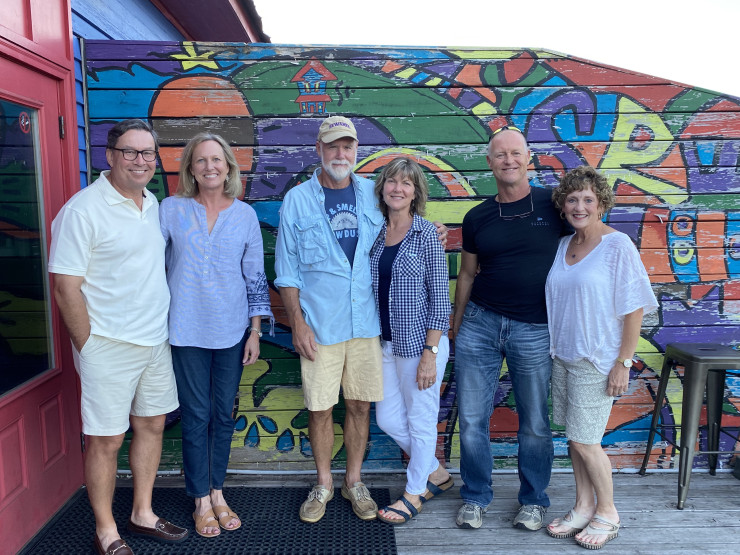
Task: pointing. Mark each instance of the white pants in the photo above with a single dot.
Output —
(410, 416)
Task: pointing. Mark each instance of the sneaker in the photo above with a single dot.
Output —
(470, 516)
(362, 504)
(530, 517)
(313, 508)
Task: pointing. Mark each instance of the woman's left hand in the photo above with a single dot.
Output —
(251, 349)
(426, 372)
(619, 378)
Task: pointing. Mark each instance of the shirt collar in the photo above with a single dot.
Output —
(112, 196)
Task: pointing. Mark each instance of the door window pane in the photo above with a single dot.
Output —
(25, 330)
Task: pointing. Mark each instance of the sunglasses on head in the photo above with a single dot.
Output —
(506, 128)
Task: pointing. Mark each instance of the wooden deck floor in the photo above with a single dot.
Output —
(710, 523)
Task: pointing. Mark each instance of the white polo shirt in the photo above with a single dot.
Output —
(102, 236)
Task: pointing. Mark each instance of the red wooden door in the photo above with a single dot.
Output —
(40, 454)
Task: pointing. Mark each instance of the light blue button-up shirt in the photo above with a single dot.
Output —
(336, 298)
(217, 280)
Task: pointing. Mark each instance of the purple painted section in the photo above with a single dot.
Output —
(165, 66)
(541, 126)
(706, 179)
(447, 69)
(468, 99)
(623, 220)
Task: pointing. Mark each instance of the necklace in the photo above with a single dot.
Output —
(515, 216)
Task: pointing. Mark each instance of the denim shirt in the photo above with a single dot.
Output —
(420, 289)
(336, 298)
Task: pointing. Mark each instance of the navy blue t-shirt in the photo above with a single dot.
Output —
(342, 211)
(514, 253)
(385, 271)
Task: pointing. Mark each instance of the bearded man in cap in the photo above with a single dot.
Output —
(327, 227)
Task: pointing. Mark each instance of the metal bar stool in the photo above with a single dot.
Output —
(705, 366)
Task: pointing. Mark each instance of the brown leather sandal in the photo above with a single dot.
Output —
(203, 521)
(228, 517)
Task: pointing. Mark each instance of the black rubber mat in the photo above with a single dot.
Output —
(270, 526)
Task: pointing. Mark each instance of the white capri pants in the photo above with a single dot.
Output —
(410, 416)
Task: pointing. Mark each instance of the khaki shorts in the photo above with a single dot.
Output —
(119, 379)
(579, 400)
(356, 364)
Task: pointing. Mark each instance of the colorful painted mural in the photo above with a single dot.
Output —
(670, 151)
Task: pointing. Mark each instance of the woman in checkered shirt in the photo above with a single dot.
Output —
(411, 285)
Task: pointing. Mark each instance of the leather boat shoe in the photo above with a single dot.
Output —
(163, 531)
(118, 547)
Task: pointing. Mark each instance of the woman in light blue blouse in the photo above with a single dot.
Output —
(219, 294)
(411, 285)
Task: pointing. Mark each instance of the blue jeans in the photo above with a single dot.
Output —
(484, 340)
(207, 383)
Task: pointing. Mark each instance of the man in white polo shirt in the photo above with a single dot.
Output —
(107, 257)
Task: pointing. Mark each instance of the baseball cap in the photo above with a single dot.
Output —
(336, 127)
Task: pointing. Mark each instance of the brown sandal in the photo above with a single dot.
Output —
(202, 522)
(228, 517)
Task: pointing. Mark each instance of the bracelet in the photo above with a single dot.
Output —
(259, 333)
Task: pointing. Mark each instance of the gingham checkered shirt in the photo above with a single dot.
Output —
(419, 292)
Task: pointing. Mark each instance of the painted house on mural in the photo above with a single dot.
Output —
(43, 162)
(670, 152)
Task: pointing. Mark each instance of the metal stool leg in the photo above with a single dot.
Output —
(665, 375)
(694, 382)
(715, 398)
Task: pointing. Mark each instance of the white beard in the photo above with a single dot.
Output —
(338, 169)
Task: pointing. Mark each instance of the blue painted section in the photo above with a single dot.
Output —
(116, 20)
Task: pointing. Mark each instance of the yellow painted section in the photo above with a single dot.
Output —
(483, 109)
(449, 212)
(406, 73)
(624, 154)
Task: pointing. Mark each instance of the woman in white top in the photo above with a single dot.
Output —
(597, 292)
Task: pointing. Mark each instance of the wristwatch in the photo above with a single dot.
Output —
(432, 348)
(626, 362)
(259, 333)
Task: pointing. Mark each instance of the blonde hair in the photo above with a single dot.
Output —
(188, 187)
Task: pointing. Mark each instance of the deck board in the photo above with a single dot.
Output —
(710, 522)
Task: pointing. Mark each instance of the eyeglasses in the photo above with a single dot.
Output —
(515, 216)
(130, 154)
(507, 128)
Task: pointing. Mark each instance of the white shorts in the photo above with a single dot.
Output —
(119, 379)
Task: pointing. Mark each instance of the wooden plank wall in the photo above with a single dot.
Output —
(670, 151)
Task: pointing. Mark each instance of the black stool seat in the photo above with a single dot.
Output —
(705, 365)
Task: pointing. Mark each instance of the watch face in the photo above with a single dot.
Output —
(627, 363)
(432, 348)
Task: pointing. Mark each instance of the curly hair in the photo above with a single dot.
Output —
(189, 187)
(404, 167)
(580, 179)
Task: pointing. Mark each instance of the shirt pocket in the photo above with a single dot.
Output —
(372, 222)
(311, 241)
(409, 267)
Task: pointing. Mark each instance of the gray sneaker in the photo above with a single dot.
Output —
(470, 516)
(530, 517)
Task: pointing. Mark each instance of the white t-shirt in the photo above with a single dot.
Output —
(587, 302)
(119, 250)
